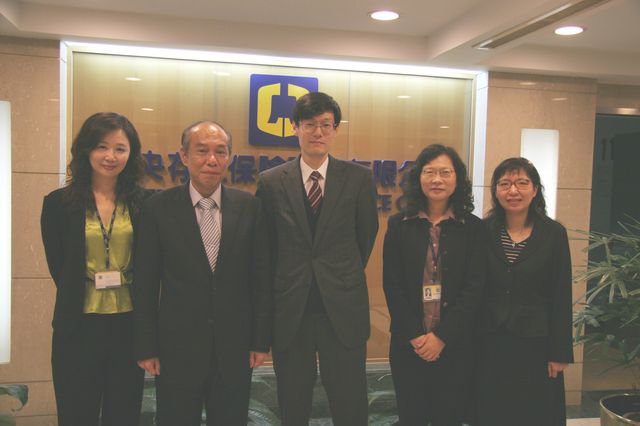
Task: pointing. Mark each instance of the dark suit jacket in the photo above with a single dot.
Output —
(63, 235)
(462, 248)
(336, 255)
(532, 296)
(183, 312)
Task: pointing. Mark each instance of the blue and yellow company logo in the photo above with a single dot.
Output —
(271, 102)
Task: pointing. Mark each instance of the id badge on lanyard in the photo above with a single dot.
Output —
(107, 279)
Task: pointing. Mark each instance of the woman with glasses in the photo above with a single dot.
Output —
(87, 231)
(525, 319)
(433, 278)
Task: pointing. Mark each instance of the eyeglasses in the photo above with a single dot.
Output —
(310, 127)
(505, 185)
(443, 173)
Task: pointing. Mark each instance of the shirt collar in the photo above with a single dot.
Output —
(448, 215)
(196, 196)
(307, 170)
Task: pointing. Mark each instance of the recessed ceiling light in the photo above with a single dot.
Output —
(444, 127)
(384, 15)
(146, 109)
(133, 78)
(344, 121)
(560, 99)
(404, 97)
(528, 83)
(569, 30)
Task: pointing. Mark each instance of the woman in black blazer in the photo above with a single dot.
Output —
(433, 272)
(525, 322)
(87, 231)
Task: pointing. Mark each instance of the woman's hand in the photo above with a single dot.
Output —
(428, 346)
(554, 368)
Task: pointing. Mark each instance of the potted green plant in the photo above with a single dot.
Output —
(611, 314)
(19, 392)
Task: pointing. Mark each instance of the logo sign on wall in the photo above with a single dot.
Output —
(272, 98)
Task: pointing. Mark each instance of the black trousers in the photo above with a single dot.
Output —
(433, 393)
(342, 371)
(95, 376)
(512, 382)
(180, 399)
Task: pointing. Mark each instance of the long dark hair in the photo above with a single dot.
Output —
(538, 206)
(95, 128)
(461, 201)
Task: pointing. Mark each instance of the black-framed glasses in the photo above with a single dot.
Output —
(325, 128)
(505, 185)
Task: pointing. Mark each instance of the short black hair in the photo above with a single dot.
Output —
(538, 206)
(461, 201)
(313, 104)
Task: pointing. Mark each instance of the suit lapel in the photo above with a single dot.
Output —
(334, 184)
(537, 233)
(185, 216)
(291, 182)
(231, 211)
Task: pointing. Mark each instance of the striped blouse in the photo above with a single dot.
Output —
(511, 249)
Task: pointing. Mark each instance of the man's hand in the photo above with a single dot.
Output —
(257, 358)
(151, 366)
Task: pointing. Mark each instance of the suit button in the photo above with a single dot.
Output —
(445, 304)
(508, 291)
(210, 321)
(508, 269)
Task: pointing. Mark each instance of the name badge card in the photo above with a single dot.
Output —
(431, 292)
(108, 279)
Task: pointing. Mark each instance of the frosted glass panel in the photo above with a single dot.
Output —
(5, 231)
(540, 146)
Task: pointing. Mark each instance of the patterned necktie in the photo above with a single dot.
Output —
(315, 193)
(209, 230)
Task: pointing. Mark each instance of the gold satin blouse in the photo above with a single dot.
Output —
(110, 300)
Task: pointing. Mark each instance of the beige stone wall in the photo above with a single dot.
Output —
(29, 71)
(517, 101)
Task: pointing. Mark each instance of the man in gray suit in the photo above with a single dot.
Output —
(323, 220)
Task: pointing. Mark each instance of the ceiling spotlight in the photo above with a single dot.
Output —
(404, 97)
(568, 30)
(384, 15)
(559, 99)
(132, 78)
(444, 127)
(146, 109)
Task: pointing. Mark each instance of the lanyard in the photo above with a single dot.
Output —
(106, 236)
(435, 258)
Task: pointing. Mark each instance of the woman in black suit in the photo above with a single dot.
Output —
(87, 230)
(433, 276)
(525, 321)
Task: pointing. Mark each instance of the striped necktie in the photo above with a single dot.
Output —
(315, 193)
(209, 230)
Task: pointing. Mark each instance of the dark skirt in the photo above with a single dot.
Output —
(434, 393)
(512, 385)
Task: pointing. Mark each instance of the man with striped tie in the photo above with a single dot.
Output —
(202, 299)
(322, 218)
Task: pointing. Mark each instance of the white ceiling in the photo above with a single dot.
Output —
(428, 32)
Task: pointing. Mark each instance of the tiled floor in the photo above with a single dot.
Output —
(584, 422)
(263, 408)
